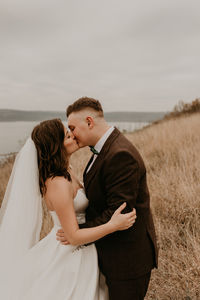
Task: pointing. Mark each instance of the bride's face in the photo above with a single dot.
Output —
(70, 142)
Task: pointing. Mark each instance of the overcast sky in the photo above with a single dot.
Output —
(137, 55)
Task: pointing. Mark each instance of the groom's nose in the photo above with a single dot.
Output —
(72, 135)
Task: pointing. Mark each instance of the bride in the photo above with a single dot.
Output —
(33, 269)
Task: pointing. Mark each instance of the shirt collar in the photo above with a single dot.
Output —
(101, 142)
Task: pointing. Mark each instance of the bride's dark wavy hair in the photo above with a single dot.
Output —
(48, 137)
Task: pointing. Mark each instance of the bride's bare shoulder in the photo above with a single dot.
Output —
(57, 186)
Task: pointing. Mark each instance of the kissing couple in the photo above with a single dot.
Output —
(95, 225)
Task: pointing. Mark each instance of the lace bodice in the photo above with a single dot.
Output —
(80, 205)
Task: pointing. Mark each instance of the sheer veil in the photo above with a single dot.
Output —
(21, 211)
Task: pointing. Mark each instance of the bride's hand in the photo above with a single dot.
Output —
(123, 221)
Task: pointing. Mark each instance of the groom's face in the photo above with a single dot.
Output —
(78, 125)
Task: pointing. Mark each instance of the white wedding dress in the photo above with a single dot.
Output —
(50, 270)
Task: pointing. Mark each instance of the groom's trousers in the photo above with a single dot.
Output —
(132, 289)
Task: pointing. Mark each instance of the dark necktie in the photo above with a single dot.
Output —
(93, 150)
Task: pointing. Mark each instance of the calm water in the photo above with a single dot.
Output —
(14, 134)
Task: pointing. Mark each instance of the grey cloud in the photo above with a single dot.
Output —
(144, 54)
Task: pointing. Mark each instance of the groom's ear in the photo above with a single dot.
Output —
(90, 122)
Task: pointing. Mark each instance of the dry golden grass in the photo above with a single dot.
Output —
(171, 151)
(5, 170)
(171, 154)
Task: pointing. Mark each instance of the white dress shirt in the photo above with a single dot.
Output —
(100, 143)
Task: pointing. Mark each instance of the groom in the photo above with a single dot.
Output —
(114, 174)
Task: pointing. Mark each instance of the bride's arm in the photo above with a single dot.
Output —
(61, 197)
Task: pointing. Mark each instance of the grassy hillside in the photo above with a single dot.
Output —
(171, 153)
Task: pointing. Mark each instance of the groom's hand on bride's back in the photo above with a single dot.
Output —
(60, 236)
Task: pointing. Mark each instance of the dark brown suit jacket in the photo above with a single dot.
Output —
(117, 175)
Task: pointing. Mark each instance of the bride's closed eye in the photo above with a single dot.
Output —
(67, 135)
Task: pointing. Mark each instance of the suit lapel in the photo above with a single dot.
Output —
(100, 158)
(89, 162)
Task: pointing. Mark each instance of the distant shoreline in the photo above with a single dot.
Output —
(8, 115)
(14, 133)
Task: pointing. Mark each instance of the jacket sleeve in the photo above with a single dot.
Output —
(121, 182)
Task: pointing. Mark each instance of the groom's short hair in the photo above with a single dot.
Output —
(85, 103)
